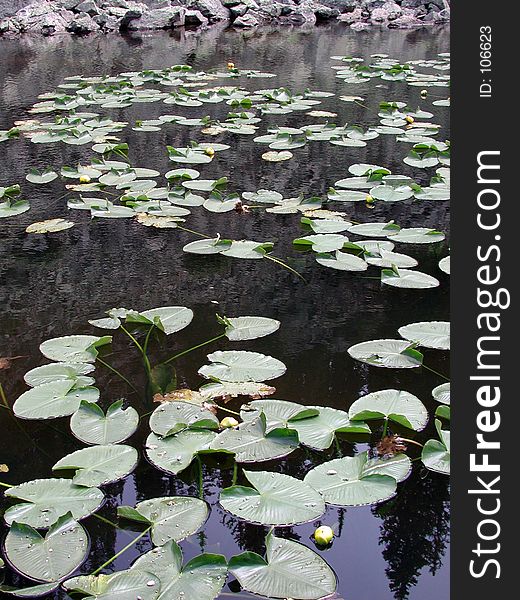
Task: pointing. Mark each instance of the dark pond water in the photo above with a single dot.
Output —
(51, 286)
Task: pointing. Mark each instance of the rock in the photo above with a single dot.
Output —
(238, 10)
(406, 21)
(89, 7)
(107, 22)
(351, 17)
(70, 4)
(324, 13)
(159, 18)
(195, 18)
(213, 10)
(388, 12)
(247, 20)
(82, 24)
(359, 26)
(5, 25)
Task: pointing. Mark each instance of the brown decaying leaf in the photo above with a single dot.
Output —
(390, 445)
(5, 362)
(4, 468)
(184, 395)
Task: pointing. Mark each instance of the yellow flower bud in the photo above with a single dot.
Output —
(409, 119)
(84, 179)
(209, 151)
(231, 65)
(323, 536)
(228, 422)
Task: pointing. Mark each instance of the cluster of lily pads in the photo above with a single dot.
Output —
(403, 354)
(47, 543)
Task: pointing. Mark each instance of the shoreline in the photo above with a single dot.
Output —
(85, 17)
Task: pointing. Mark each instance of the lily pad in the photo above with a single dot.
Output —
(122, 585)
(250, 442)
(249, 328)
(74, 348)
(394, 354)
(172, 518)
(99, 465)
(405, 278)
(202, 578)
(275, 499)
(444, 265)
(441, 393)
(76, 372)
(172, 417)
(92, 426)
(342, 261)
(290, 570)
(49, 226)
(430, 334)
(168, 319)
(48, 558)
(175, 452)
(436, 454)
(240, 366)
(344, 482)
(46, 500)
(53, 400)
(394, 405)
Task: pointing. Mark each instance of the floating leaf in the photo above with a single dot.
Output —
(430, 334)
(172, 417)
(344, 482)
(274, 156)
(175, 452)
(74, 348)
(342, 261)
(49, 226)
(249, 328)
(394, 405)
(394, 354)
(290, 570)
(172, 518)
(48, 499)
(75, 372)
(444, 265)
(240, 366)
(202, 578)
(441, 393)
(404, 278)
(46, 176)
(436, 453)
(275, 499)
(168, 319)
(418, 235)
(325, 242)
(99, 465)
(251, 443)
(123, 585)
(208, 246)
(50, 558)
(52, 400)
(90, 424)
(230, 389)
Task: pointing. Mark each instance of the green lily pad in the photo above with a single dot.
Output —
(46, 500)
(240, 366)
(48, 558)
(275, 499)
(393, 354)
(290, 570)
(122, 585)
(92, 426)
(172, 518)
(430, 334)
(174, 453)
(99, 465)
(394, 405)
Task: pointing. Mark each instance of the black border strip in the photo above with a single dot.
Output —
(483, 118)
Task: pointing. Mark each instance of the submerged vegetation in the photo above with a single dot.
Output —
(192, 428)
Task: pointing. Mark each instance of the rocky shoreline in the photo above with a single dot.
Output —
(82, 17)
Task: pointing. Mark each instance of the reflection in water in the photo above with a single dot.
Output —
(51, 287)
(415, 529)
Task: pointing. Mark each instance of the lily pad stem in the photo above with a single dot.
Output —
(120, 375)
(122, 551)
(285, 266)
(175, 356)
(202, 235)
(435, 372)
(6, 485)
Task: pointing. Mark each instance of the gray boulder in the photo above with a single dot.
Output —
(213, 10)
(359, 26)
(194, 18)
(89, 7)
(159, 18)
(246, 21)
(82, 24)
